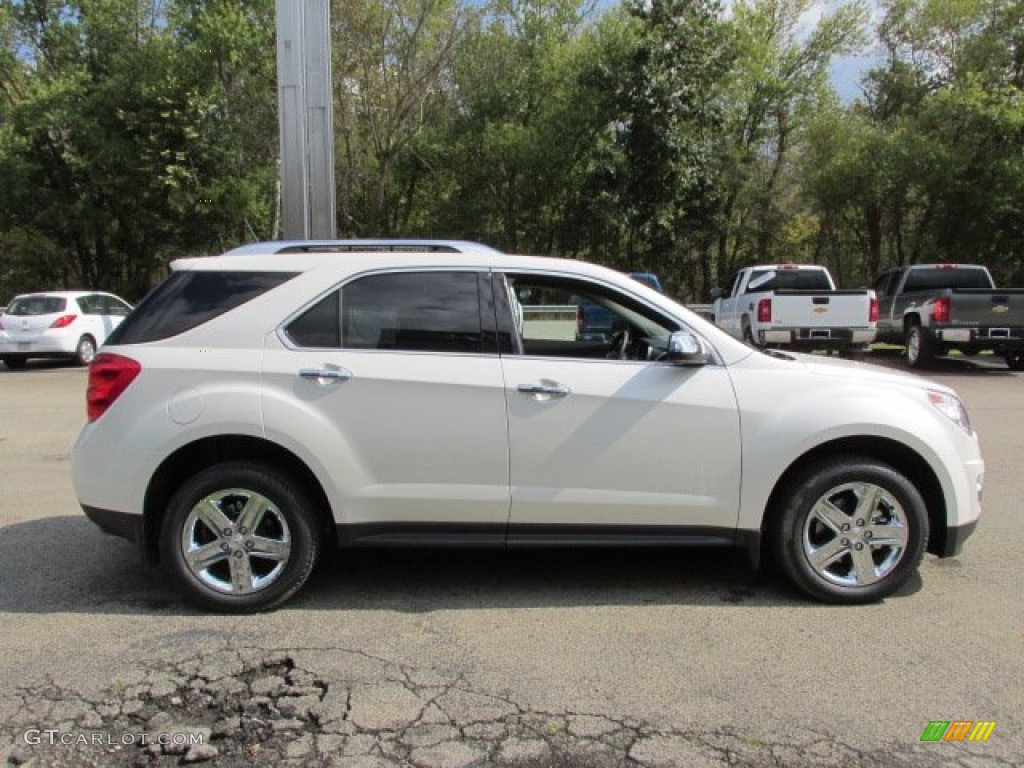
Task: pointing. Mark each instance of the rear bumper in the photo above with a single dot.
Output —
(999, 339)
(47, 345)
(817, 338)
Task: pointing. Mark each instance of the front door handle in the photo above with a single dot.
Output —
(544, 389)
(326, 375)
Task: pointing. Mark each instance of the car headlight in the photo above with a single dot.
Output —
(951, 408)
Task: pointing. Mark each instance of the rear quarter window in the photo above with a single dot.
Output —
(188, 299)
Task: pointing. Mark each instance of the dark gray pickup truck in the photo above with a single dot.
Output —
(933, 309)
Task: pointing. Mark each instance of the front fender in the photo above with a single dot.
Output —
(788, 415)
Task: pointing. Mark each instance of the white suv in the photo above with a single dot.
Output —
(282, 401)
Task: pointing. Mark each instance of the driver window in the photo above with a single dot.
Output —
(560, 317)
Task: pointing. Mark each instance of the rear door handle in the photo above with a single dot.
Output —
(543, 390)
(326, 375)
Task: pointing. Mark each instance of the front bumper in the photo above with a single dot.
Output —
(955, 538)
(122, 524)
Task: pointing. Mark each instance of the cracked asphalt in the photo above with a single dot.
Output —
(494, 659)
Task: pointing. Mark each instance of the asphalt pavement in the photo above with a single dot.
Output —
(666, 658)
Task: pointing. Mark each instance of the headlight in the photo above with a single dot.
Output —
(951, 408)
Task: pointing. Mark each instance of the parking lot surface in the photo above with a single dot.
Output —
(666, 658)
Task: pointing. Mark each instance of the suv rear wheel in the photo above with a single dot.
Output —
(240, 537)
(852, 530)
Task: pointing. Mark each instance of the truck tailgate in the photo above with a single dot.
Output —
(987, 308)
(821, 309)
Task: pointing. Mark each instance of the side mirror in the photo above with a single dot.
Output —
(688, 349)
(716, 292)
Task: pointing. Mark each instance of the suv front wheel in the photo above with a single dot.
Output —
(852, 530)
(240, 537)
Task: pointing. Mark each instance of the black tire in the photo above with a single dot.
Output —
(15, 363)
(920, 350)
(85, 350)
(748, 335)
(876, 552)
(240, 580)
(1014, 361)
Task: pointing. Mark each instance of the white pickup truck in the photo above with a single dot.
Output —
(795, 305)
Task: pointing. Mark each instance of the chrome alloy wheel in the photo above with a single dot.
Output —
(236, 541)
(855, 534)
(913, 347)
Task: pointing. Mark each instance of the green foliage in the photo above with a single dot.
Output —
(120, 137)
(928, 167)
(671, 135)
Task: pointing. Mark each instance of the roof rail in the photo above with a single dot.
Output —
(362, 246)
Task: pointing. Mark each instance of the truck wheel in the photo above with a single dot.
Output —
(240, 537)
(852, 530)
(1015, 361)
(920, 352)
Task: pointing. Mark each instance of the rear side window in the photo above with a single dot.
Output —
(28, 306)
(409, 311)
(188, 299)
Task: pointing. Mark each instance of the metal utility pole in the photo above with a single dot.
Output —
(305, 105)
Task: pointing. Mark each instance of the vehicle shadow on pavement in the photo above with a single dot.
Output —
(66, 565)
(420, 581)
(978, 365)
(42, 365)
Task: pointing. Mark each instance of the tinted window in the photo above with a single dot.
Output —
(320, 325)
(37, 305)
(883, 285)
(114, 306)
(187, 299)
(946, 277)
(788, 279)
(414, 311)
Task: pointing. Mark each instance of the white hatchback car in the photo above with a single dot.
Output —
(285, 400)
(71, 324)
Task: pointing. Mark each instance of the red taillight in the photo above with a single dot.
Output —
(63, 321)
(764, 311)
(940, 310)
(873, 311)
(109, 376)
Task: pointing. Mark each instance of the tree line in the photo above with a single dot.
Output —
(675, 136)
